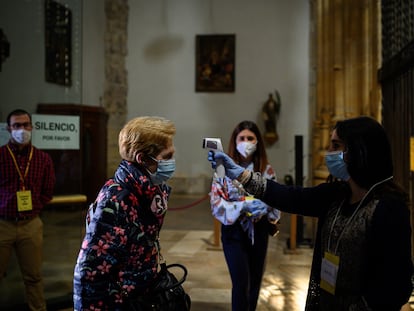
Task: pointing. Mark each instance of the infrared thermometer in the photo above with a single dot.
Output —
(215, 145)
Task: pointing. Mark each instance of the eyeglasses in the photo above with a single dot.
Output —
(16, 126)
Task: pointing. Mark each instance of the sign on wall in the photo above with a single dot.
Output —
(55, 131)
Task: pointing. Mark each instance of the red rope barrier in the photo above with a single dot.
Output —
(189, 205)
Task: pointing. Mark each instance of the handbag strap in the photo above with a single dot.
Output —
(171, 276)
(182, 267)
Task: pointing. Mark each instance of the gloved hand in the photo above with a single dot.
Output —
(232, 169)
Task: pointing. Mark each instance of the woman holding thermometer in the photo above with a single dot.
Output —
(362, 256)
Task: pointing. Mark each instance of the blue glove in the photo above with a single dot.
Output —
(232, 169)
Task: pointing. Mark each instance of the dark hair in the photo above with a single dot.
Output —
(259, 157)
(17, 112)
(368, 151)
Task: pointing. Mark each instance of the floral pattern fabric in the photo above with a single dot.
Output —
(229, 203)
(119, 253)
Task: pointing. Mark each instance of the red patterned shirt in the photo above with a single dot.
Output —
(40, 179)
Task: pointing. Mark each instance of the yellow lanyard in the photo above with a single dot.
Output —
(22, 178)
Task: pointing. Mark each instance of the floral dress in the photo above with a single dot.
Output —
(119, 253)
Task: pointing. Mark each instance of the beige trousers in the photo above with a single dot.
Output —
(26, 238)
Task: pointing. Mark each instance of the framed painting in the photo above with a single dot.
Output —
(215, 63)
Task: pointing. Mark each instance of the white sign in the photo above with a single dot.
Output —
(55, 131)
(4, 134)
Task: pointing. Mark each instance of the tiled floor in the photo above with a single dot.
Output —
(188, 237)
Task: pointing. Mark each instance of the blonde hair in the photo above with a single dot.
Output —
(148, 135)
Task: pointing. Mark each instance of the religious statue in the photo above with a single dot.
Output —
(270, 112)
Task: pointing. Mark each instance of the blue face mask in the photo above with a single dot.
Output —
(336, 165)
(165, 170)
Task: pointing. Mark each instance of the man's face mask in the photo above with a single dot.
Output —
(336, 165)
(21, 136)
(246, 148)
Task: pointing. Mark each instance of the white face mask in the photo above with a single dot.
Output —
(246, 148)
(21, 136)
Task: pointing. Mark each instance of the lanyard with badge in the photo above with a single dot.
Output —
(330, 261)
(24, 197)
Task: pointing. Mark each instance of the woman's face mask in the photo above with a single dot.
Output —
(246, 148)
(336, 165)
(165, 170)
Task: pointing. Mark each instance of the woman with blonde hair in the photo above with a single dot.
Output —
(119, 255)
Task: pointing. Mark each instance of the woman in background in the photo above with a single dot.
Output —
(246, 222)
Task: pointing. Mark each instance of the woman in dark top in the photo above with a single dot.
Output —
(362, 256)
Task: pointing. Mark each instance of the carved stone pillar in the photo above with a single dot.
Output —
(346, 58)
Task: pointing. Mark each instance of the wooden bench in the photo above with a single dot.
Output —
(68, 199)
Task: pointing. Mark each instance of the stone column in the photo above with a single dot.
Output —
(116, 76)
(347, 54)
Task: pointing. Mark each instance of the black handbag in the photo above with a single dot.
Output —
(167, 294)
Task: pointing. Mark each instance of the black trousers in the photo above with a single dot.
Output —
(246, 262)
